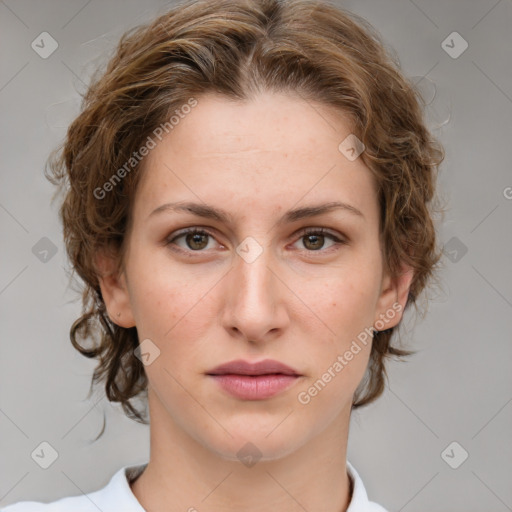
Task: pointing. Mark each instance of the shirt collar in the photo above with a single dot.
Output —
(125, 500)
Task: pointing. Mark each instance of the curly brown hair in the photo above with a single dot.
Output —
(238, 48)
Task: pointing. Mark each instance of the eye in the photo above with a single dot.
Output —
(195, 239)
(314, 239)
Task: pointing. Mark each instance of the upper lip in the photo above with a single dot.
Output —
(241, 367)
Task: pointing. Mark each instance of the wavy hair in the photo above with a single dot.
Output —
(237, 49)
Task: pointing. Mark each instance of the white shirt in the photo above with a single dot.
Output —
(117, 496)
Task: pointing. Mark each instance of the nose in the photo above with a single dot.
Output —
(255, 305)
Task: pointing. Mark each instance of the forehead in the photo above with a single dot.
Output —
(269, 152)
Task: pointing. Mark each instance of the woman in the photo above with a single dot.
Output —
(248, 191)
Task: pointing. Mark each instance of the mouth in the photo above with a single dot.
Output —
(254, 381)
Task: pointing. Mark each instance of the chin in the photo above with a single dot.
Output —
(254, 441)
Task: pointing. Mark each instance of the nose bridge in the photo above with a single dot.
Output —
(254, 306)
(254, 277)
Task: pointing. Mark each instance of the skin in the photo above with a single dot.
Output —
(302, 301)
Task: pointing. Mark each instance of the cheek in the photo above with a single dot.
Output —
(339, 360)
(171, 308)
(348, 302)
(159, 293)
(158, 307)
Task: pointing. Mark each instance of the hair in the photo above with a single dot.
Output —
(238, 49)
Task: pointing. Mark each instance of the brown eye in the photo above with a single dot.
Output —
(314, 239)
(313, 242)
(195, 240)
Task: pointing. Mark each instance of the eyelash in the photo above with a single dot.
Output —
(303, 233)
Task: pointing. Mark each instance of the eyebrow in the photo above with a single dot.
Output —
(210, 212)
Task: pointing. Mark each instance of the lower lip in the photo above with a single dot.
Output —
(256, 387)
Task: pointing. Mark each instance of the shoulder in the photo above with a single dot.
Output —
(359, 501)
(116, 495)
(75, 503)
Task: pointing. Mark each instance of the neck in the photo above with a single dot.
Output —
(189, 476)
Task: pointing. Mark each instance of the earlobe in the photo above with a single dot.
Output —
(394, 297)
(114, 290)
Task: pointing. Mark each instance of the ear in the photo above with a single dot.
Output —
(114, 290)
(392, 299)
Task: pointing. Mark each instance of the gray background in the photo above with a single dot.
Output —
(458, 387)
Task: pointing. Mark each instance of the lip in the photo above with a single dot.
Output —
(265, 367)
(254, 381)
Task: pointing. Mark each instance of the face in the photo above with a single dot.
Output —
(256, 282)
